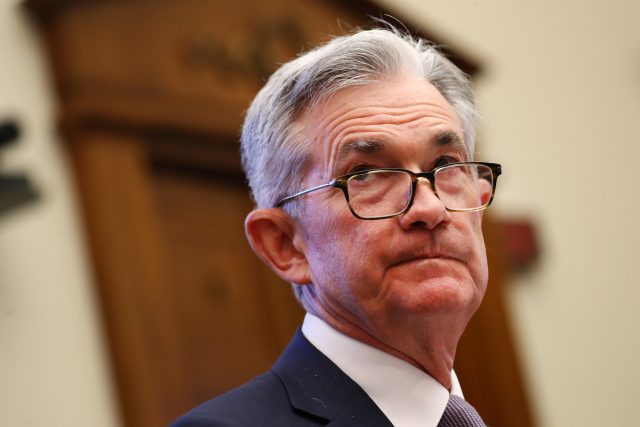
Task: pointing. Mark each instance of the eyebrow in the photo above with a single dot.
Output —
(360, 146)
(448, 138)
(442, 139)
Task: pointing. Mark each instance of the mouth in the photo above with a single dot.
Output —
(424, 258)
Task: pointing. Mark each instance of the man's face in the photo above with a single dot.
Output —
(376, 274)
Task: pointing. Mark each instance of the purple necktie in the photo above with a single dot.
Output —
(459, 413)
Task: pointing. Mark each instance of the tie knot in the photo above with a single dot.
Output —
(459, 413)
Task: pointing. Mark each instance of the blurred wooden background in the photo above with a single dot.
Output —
(151, 99)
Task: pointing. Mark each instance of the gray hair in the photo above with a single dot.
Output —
(273, 153)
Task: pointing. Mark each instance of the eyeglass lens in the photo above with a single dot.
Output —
(385, 193)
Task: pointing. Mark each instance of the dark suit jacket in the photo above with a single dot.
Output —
(303, 388)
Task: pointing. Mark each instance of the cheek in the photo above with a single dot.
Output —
(483, 269)
(479, 255)
(328, 244)
(341, 252)
(470, 234)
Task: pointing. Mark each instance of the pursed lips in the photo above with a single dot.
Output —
(409, 258)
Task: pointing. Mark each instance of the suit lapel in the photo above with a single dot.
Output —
(360, 411)
(315, 385)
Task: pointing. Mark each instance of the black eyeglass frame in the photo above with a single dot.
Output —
(341, 182)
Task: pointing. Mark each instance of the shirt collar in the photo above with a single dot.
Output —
(407, 395)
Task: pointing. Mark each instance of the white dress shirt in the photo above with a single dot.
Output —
(408, 396)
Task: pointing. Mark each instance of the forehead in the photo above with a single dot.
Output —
(398, 113)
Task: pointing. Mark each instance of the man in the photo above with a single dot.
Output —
(359, 157)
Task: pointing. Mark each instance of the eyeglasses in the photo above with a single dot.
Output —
(389, 192)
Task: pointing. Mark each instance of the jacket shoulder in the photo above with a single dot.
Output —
(262, 402)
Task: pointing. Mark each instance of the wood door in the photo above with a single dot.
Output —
(191, 310)
(234, 315)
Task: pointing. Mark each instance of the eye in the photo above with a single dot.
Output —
(361, 167)
(361, 177)
(445, 160)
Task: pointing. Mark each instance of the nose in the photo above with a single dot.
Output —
(427, 210)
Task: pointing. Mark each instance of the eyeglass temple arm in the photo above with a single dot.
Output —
(332, 183)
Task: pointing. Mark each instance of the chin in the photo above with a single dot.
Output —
(437, 295)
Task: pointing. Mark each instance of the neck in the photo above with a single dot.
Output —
(430, 346)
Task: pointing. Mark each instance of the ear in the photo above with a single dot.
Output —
(275, 239)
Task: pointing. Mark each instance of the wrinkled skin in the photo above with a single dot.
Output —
(406, 285)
